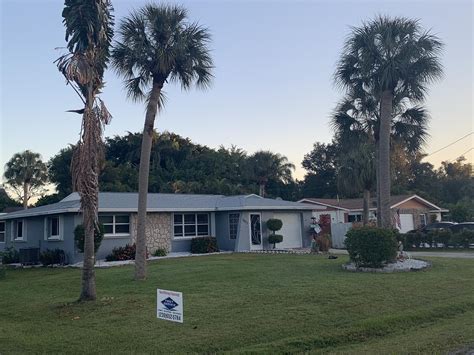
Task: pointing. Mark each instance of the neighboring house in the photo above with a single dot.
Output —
(412, 211)
(238, 223)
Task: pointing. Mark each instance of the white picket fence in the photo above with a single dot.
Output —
(338, 234)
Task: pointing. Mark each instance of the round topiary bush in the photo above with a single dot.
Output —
(275, 238)
(371, 246)
(274, 224)
(79, 237)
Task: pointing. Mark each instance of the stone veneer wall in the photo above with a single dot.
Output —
(158, 231)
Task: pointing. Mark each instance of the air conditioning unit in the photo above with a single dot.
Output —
(29, 256)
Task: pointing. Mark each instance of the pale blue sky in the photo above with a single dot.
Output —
(273, 84)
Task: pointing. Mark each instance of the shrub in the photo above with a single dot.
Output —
(51, 257)
(275, 238)
(370, 246)
(274, 224)
(440, 236)
(160, 252)
(203, 245)
(122, 253)
(79, 237)
(2, 271)
(10, 256)
(463, 238)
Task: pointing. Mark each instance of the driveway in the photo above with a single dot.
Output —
(413, 254)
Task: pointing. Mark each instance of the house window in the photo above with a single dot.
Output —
(233, 225)
(2, 232)
(190, 224)
(54, 228)
(422, 220)
(115, 225)
(18, 230)
(354, 218)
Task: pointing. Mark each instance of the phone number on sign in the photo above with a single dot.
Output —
(169, 316)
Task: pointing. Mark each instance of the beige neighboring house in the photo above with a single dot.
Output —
(414, 211)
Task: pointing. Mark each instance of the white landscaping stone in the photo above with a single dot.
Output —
(406, 265)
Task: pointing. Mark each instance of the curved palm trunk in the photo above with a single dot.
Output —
(365, 216)
(384, 158)
(151, 110)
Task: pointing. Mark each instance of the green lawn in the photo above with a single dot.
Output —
(243, 302)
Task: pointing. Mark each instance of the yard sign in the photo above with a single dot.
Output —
(169, 305)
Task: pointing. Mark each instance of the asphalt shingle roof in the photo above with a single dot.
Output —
(358, 203)
(128, 202)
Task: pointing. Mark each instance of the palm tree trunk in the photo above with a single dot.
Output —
(384, 157)
(151, 110)
(25, 195)
(89, 192)
(262, 189)
(377, 184)
(366, 207)
(88, 292)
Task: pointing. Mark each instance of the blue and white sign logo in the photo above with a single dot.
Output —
(169, 305)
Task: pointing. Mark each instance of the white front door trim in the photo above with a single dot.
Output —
(255, 246)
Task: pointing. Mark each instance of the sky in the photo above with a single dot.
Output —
(273, 86)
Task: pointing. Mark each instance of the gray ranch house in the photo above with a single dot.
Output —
(238, 223)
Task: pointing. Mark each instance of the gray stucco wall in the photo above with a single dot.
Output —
(35, 237)
(34, 229)
(243, 241)
(223, 233)
(183, 244)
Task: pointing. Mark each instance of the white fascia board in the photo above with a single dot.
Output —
(35, 214)
(419, 198)
(323, 204)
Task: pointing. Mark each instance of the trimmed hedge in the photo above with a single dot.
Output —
(204, 245)
(79, 236)
(433, 238)
(51, 257)
(371, 246)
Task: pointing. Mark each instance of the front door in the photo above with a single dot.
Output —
(255, 232)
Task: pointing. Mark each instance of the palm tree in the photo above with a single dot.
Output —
(26, 174)
(265, 165)
(89, 32)
(358, 115)
(158, 45)
(356, 172)
(394, 60)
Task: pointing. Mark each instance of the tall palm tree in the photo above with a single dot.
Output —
(89, 32)
(265, 165)
(392, 59)
(358, 115)
(26, 174)
(356, 172)
(158, 45)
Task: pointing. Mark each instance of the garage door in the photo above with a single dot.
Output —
(291, 230)
(406, 223)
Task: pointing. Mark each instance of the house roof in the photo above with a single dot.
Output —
(128, 202)
(356, 204)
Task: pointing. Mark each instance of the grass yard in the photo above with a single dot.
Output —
(242, 303)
